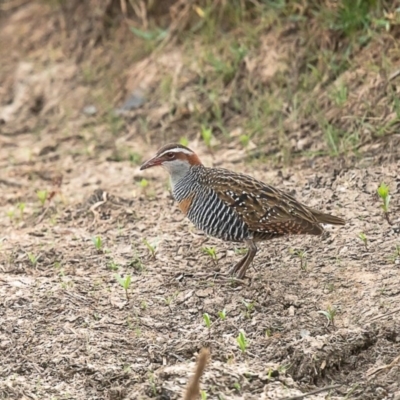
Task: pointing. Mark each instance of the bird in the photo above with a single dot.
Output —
(233, 206)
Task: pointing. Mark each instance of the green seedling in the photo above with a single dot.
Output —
(168, 300)
(124, 282)
(211, 252)
(207, 323)
(203, 395)
(364, 239)
(11, 214)
(240, 251)
(42, 196)
(98, 243)
(270, 373)
(330, 287)
(395, 255)
(183, 141)
(152, 384)
(302, 254)
(283, 368)
(206, 134)
(33, 259)
(136, 264)
(249, 308)
(152, 247)
(340, 95)
(242, 342)
(157, 34)
(384, 193)
(143, 183)
(236, 386)
(113, 266)
(222, 315)
(330, 314)
(244, 140)
(21, 208)
(135, 158)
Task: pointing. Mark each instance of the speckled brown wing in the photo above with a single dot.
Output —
(267, 211)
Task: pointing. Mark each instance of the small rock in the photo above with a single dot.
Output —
(135, 100)
(90, 110)
(304, 333)
(204, 292)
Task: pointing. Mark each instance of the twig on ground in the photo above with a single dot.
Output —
(193, 387)
(302, 396)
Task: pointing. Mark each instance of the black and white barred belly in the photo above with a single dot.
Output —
(210, 214)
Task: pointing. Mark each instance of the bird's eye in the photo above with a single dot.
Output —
(170, 155)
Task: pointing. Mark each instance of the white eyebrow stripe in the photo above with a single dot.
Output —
(177, 150)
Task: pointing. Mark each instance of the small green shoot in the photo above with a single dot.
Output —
(124, 282)
(240, 251)
(143, 184)
(184, 141)
(330, 314)
(11, 214)
(136, 262)
(340, 95)
(249, 308)
(42, 196)
(135, 158)
(283, 368)
(330, 287)
(113, 266)
(384, 193)
(302, 254)
(203, 395)
(211, 252)
(168, 300)
(152, 247)
(364, 239)
(207, 136)
(33, 259)
(207, 320)
(395, 255)
(236, 386)
(244, 140)
(98, 243)
(242, 342)
(222, 315)
(21, 208)
(152, 384)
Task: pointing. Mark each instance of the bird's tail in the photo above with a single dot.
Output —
(327, 218)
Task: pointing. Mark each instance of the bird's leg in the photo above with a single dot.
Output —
(238, 265)
(247, 261)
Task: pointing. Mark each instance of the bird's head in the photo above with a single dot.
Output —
(174, 158)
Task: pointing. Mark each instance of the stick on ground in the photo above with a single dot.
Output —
(193, 387)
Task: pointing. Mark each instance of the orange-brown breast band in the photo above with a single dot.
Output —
(185, 204)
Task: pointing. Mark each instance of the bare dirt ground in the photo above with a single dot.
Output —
(67, 330)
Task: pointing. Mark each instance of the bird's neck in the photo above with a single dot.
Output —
(178, 175)
(183, 181)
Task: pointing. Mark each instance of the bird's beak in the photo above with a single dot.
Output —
(151, 163)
